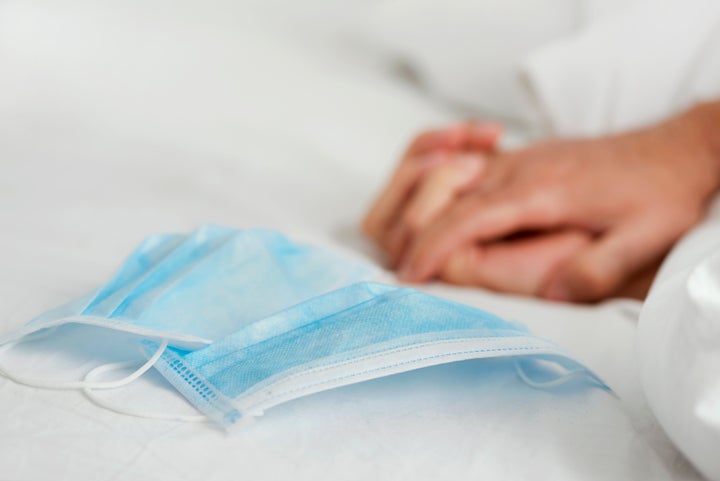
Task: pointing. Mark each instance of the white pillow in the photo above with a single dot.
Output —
(214, 77)
(564, 67)
(645, 63)
(468, 52)
(679, 346)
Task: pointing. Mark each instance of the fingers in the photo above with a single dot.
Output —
(482, 136)
(432, 140)
(389, 204)
(434, 193)
(471, 135)
(426, 151)
(620, 259)
(476, 219)
(519, 266)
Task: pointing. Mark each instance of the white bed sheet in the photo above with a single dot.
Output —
(107, 137)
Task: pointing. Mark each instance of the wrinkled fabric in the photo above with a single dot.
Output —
(679, 345)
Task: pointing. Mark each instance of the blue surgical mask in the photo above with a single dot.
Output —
(193, 289)
(354, 334)
(242, 320)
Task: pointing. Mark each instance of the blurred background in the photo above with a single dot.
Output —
(119, 119)
(136, 117)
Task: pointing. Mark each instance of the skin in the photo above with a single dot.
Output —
(571, 220)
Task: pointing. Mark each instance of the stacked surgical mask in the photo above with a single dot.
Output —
(242, 320)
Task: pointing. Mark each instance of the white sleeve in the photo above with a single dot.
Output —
(638, 66)
(679, 346)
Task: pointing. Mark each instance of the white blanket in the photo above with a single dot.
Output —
(115, 125)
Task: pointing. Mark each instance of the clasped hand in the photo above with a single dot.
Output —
(571, 220)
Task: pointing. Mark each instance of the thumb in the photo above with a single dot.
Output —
(608, 264)
(485, 134)
(473, 135)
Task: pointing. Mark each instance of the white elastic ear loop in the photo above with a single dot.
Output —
(66, 385)
(558, 381)
(103, 403)
(88, 386)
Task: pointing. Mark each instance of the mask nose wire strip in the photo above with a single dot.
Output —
(105, 404)
(68, 385)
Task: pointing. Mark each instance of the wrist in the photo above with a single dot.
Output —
(703, 120)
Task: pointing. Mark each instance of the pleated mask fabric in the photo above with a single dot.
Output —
(357, 333)
(193, 289)
(239, 321)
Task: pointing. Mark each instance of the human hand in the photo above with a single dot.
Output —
(438, 166)
(607, 211)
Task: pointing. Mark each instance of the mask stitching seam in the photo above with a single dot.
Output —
(410, 347)
(378, 353)
(396, 350)
(379, 369)
(180, 371)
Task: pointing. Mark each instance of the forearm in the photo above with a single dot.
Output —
(703, 122)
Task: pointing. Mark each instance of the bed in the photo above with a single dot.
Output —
(119, 122)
